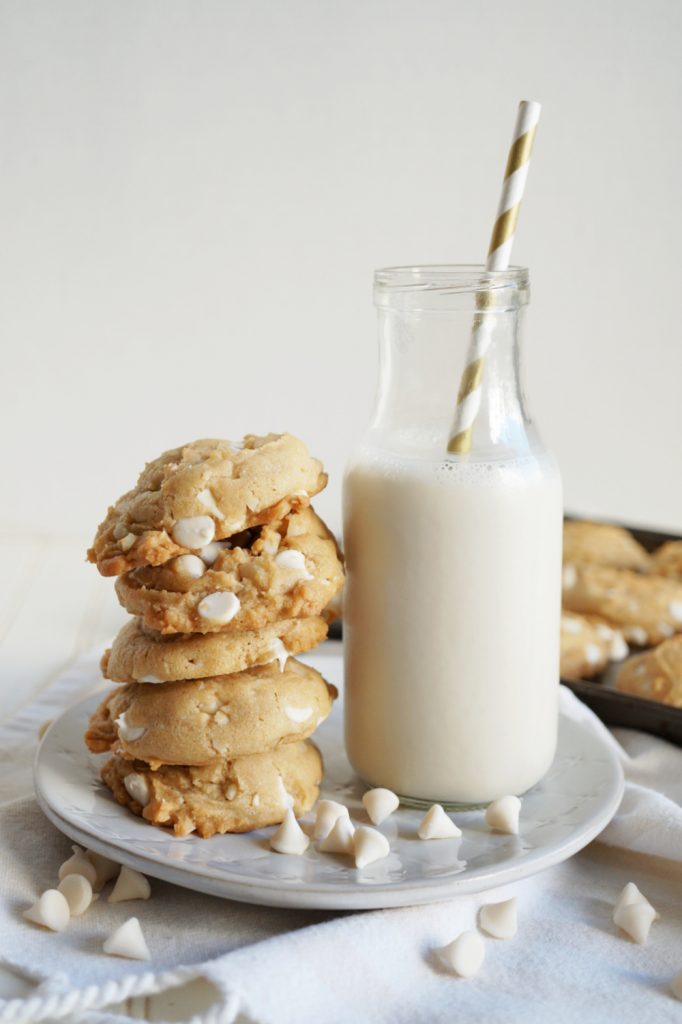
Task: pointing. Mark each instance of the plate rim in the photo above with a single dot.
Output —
(327, 896)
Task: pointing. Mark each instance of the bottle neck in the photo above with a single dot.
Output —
(425, 343)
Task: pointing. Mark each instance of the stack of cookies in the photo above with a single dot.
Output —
(228, 572)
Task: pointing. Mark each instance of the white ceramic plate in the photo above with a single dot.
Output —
(571, 805)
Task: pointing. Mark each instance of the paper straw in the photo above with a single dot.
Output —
(499, 253)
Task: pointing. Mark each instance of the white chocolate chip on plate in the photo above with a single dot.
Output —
(341, 837)
(380, 804)
(437, 825)
(503, 815)
(369, 846)
(327, 814)
(290, 837)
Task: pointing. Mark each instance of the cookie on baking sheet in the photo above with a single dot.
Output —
(193, 722)
(667, 560)
(287, 569)
(656, 674)
(588, 645)
(236, 795)
(205, 491)
(647, 609)
(603, 544)
(138, 655)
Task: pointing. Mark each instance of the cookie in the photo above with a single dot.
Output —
(667, 560)
(287, 569)
(588, 645)
(647, 609)
(656, 674)
(236, 795)
(201, 492)
(139, 655)
(602, 544)
(194, 722)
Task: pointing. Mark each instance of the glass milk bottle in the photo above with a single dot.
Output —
(451, 612)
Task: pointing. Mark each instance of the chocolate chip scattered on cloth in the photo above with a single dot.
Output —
(568, 962)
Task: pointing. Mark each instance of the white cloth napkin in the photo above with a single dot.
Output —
(568, 962)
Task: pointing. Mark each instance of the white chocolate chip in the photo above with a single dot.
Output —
(636, 919)
(210, 552)
(571, 625)
(369, 846)
(137, 788)
(231, 792)
(189, 565)
(127, 542)
(569, 577)
(208, 501)
(150, 679)
(503, 815)
(340, 839)
(219, 607)
(128, 733)
(220, 718)
(194, 532)
(285, 798)
(120, 530)
(130, 885)
(290, 837)
(292, 559)
(255, 800)
(379, 804)
(465, 954)
(676, 986)
(279, 653)
(619, 649)
(499, 919)
(629, 894)
(637, 634)
(593, 654)
(77, 891)
(51, 910)
(665, 629)
(675, 609)
(128, 941)
(297, 715)
(105, 868)
(78, 864)
(327, 814)
(300, 494)
(437, 825)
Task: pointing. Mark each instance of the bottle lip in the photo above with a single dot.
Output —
(464, 277)
(443, 287)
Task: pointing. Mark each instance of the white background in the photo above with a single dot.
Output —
(193, 196)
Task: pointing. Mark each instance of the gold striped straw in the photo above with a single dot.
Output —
(499, 253)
